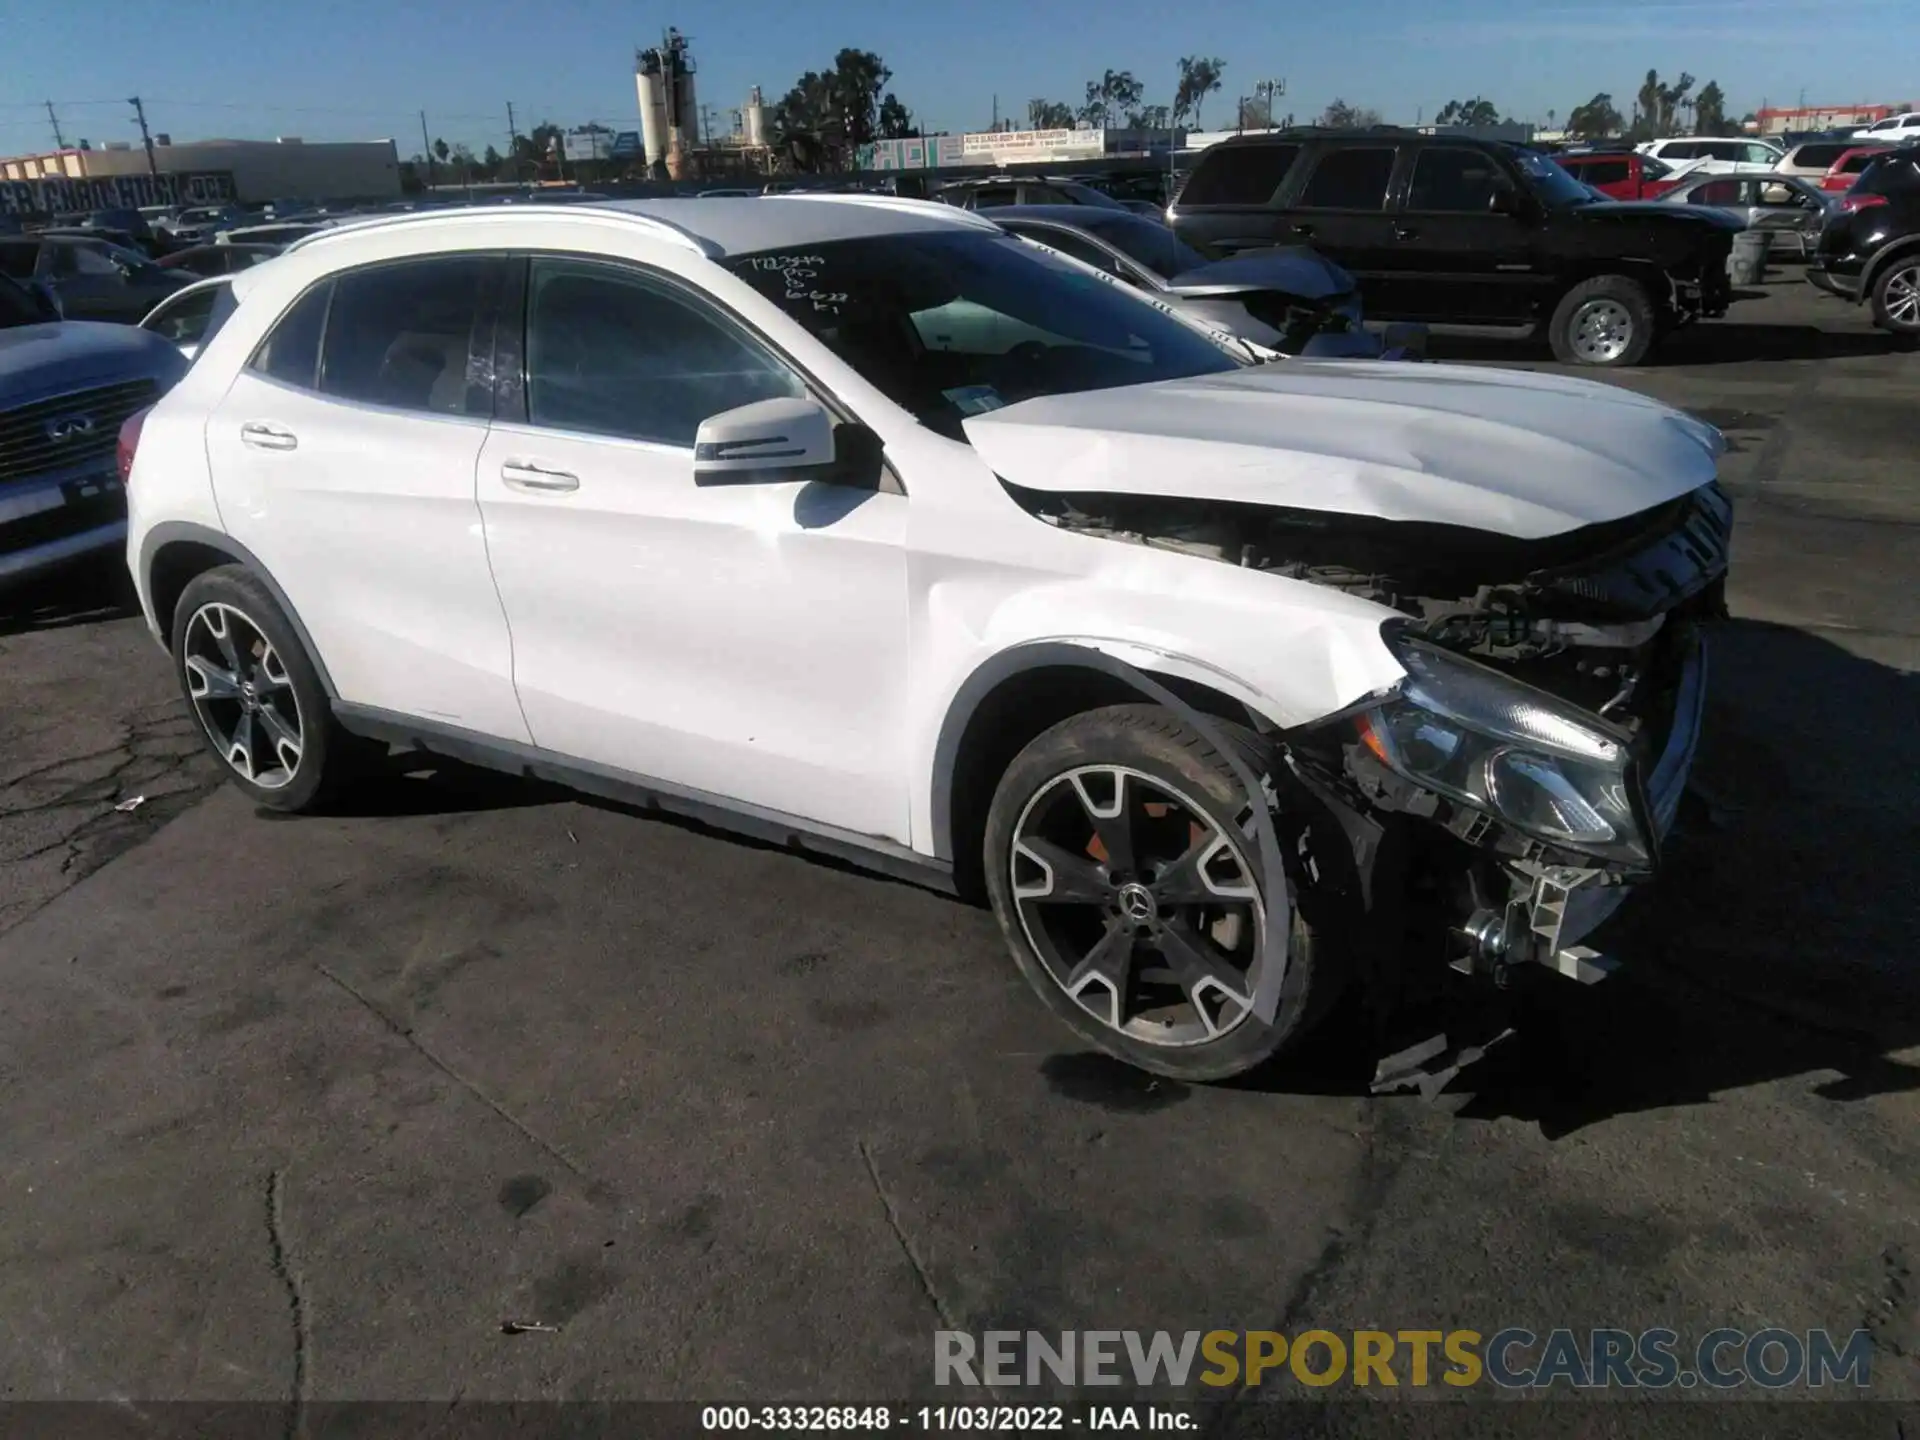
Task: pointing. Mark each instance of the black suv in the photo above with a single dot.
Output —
(1870, 248)
(1457, 231)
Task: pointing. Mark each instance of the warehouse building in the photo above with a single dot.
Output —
(247, 171)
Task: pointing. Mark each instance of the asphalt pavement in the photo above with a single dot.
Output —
(312, 1109)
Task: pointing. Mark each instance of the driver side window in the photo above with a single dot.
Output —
(611, 351)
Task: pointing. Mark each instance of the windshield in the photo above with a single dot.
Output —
(1153, 245)
(1549, 182)
(952, 324)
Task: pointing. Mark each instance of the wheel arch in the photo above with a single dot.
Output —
(1014, 696)
(174, 552)
(1905, 248)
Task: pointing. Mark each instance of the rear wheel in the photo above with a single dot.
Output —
(1125, 872)
(255, 693)
(1607, 321)
(1896, 296)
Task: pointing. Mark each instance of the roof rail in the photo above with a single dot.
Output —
(895, 202)
(495, 214)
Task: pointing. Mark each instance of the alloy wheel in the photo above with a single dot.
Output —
(1141, 907)
(1602, 331)
(1903, 296)
(243, 695)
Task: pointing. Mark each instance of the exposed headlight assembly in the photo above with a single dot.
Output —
(1547, 768)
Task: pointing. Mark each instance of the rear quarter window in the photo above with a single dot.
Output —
(1239, 175)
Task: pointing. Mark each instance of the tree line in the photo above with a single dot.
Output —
(1660, 108)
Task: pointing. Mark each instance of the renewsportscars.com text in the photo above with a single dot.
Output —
(1513, 1358)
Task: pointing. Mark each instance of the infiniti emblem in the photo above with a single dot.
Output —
(69, 427)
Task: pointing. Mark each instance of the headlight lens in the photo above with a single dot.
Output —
(1541, 765)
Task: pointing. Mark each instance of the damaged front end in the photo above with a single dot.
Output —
(1529, 766)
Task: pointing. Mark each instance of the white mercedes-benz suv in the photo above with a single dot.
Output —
(859, 524)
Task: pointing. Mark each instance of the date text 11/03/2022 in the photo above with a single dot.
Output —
(1010, 1419)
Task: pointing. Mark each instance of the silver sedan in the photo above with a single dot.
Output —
(1788, 207)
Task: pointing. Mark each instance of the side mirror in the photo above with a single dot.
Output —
(48, 299)
(1505, 202)
(766, 441)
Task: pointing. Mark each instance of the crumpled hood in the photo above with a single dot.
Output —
(41, 360)
(1506, 451)
(1292, 270)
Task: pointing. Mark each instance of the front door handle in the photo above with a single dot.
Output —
(259, 435)
(525, 475)
(1405, 232)
(1301, 228)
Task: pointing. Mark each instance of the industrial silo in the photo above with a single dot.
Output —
(651, 87)
(753, 119)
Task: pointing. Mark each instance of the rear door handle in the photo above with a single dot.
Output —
(1405, 232)
(259, 435)
(525, 475)
(1300, 228)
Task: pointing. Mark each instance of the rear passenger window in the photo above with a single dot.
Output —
(1239, 175)
(1349, 179)
(1604, 172)
(291, 351)
(1454, 178)
(399, 335)
(613, 352)
(1682, 150)
(18, 257)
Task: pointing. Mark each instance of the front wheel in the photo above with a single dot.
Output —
(1125, 873)
(1607, 321)
(1896, 297)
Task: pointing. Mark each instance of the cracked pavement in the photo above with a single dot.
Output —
(313, 1109)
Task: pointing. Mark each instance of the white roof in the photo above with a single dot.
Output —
(718, 226)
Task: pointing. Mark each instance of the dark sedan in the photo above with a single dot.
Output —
(93, 280)
(208, 261)
(1287, 299)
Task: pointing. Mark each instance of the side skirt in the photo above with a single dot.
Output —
(868, 852)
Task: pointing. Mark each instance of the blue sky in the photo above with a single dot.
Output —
(364, 68)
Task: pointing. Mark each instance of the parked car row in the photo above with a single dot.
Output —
(1464, 231)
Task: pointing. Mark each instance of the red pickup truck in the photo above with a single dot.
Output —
(1621, 174)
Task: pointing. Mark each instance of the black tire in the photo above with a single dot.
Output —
(1157, 757)
(1896, 295)
(1608, 322)
(277, 691)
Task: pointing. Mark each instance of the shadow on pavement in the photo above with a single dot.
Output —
(87, 591)
(1780, 941)
(1731, 341)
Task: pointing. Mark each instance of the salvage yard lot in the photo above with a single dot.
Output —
(314, 1107)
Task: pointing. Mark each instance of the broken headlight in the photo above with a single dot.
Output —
(1548, 769)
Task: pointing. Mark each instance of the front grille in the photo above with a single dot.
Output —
(67, 431)
(75, 517)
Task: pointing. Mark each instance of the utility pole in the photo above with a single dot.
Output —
(59, 140)
(140, 113)
(513, 142)
(426, 149)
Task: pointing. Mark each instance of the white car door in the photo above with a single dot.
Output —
(744, 640)
(346, 465)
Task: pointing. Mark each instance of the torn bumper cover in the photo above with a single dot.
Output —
(1555, 907)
